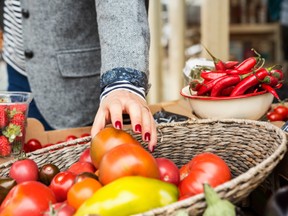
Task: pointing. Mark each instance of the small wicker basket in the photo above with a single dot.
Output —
(251, 149)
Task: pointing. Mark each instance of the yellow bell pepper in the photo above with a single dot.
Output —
(129, 195)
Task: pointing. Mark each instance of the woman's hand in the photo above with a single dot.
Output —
(120, 102)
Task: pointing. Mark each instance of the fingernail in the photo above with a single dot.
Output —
(147, 137)
(118, 125)
(138, 128)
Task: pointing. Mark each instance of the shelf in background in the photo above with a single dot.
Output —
(256, 33)
(269, 28)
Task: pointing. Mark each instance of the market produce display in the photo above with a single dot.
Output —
(233, 78)
(65, 155)
(126, 175)
(34, 144)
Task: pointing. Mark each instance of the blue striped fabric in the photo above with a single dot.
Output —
(13, 52)
(125, 85)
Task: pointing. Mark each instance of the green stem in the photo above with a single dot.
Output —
(258, 54)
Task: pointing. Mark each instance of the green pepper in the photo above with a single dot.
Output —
(215, 205)
(129, 195)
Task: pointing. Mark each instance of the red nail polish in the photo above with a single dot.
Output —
(118, 125)
(147, 137)
(138, 128)
(152, 149)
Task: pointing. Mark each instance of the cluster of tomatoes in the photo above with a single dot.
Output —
(278, 113)
(46, 188)
(34, 144)
(113, 154)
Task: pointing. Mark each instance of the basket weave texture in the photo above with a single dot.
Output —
(251, 149)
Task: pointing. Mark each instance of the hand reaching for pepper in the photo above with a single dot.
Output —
(120, 102)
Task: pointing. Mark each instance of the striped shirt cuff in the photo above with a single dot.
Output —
(137, 78)
(123, 85)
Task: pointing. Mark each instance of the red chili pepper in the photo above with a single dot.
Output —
(206, 87)
(250, 62)
(270, 80)
(247, 64)
(277, 73)
(219, 64)
(252, 80)
(195, 85)
(236, 72)
(271, 90)
(226, 82)
(252, 89)
(231, 64)
(205, 81)
(227, 91)
(210, 75)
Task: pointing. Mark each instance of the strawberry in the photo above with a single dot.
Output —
(16, 108)
(19, 119)
(3, 117)
(12, 131)
(5, 147)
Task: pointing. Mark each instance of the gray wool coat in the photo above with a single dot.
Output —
(70, 43)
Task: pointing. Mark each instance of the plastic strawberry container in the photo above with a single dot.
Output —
(13, 118)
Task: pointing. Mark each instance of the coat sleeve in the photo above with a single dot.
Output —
(124, 39)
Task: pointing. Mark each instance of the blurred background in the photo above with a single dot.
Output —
(180, 28)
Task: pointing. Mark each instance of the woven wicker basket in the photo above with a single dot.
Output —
(251, 149)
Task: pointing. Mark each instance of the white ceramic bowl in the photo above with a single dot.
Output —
(250, 106)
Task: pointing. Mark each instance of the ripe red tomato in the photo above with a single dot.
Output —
(85, 156)
(273, 116)
(81, 191)
(24, 170)
(61, 183)
(27, 198)
(169, 172)
(32, 145)
(62, 209)
(127, 160)
(85, 134)
(107, 139)
(84, 175)
(47, 173)
(48, 144)
(282, 110)
(79, 167)
(70, 137)
(184, 171)
(204, 168)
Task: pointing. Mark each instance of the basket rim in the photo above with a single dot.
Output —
(275, 157)
(47, 149)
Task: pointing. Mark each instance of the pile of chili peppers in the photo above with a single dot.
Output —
(233, 78)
